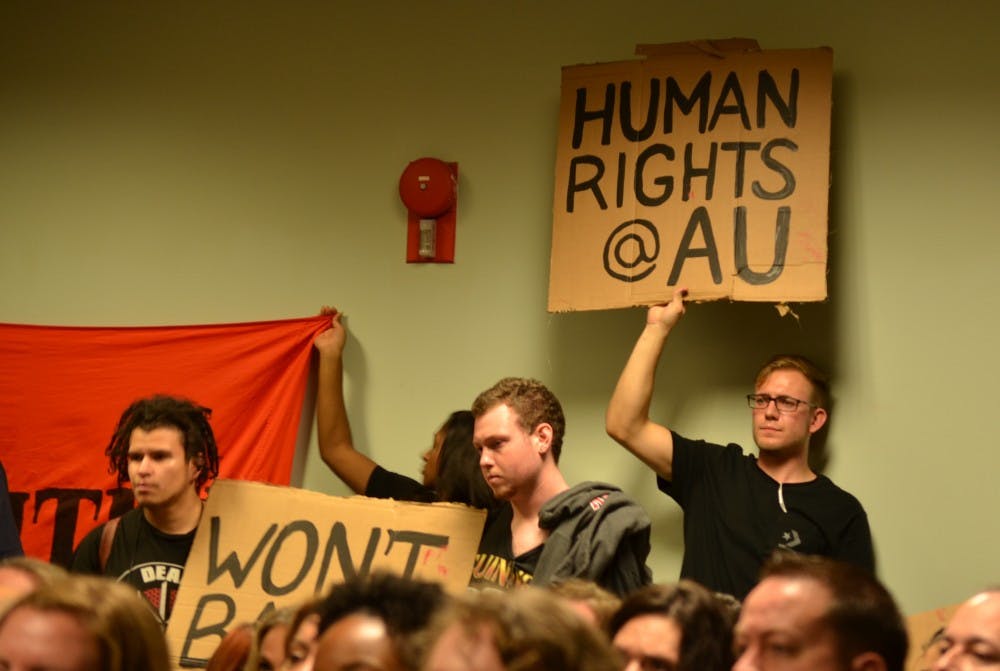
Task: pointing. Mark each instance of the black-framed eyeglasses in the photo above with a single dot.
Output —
(785, 404)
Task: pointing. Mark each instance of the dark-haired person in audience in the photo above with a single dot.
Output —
(82, 623)
(811, 613)
(373, 623)
(163, 446)
(971, 641)
(450, 471)
(549, 531)
(738, 508)
(681, 627)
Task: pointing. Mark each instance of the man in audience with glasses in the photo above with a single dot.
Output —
(739, 508)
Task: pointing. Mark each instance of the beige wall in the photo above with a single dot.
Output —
(210, 162)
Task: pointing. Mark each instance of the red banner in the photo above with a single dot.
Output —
(62, 390)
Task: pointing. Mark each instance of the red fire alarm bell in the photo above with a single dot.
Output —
(429, 189)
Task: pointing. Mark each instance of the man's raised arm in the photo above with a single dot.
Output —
(333, 431)
(627, 419)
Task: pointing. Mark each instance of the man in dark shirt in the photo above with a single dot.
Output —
(164, 446)
(738, 509)
(549, 531)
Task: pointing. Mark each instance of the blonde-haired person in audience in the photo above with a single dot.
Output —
(528, 629)
(267, 652)
(594, 603)
(82, 623)
(21, 575)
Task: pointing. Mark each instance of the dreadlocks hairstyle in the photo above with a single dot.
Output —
(161, 411)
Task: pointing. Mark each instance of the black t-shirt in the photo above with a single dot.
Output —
(733, 517)
(496, 566)
(383, 484)
(142, 556)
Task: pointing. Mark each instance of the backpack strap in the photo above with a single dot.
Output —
(107, 538)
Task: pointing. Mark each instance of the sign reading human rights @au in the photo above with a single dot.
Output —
(694, 167)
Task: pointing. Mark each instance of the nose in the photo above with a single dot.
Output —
(771, 409)
(485, 459)
(947, 660)
(745, 661)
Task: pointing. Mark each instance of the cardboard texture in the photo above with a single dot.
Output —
(924, 628)
(704, 165)
(261, 546)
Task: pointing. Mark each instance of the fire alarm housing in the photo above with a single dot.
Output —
(428, 188)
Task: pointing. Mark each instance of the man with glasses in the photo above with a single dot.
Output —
(738, 508)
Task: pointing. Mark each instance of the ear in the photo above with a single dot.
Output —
(818, 419)
(542, 435)
(196, 464)
(868, 661)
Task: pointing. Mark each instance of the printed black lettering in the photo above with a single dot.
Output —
(417, 539)
(338, 539)
(699, 220)
(780, 247)
(731, 87)
(67, 511)
(582, 115)
(674, 96)
(593, 183)
(631, 133)
(666, 182)
(741, 149)
(231, 564)
(780, 168)
(708, 172)
(308, 530)
(787, 107)
(196, 632)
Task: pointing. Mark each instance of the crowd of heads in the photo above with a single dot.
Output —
(806, 613)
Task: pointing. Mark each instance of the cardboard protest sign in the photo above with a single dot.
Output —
(925, 630)
(695, 168)
(260, 547)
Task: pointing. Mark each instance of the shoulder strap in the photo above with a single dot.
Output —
(107, 538)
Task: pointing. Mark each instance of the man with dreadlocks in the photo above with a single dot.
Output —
(165, 447)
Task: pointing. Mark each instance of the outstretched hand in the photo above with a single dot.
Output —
(668, 314)
(332, 340)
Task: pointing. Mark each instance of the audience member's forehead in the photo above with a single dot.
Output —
(780, 596)
(981, 613)
(356, 640)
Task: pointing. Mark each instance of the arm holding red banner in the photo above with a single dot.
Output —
(333, 430)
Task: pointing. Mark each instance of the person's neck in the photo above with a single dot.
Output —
(178, 517)
(786, 467)
(524, 529)
(550, 482)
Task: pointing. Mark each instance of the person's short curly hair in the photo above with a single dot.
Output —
(533, 403)
(160, 411)
(404, 605)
